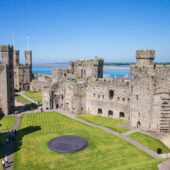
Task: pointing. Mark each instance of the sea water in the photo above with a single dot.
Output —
(47, 70)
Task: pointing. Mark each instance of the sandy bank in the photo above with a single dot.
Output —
(115, 68)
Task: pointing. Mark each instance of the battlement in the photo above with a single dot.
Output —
(28, 52)
(145, 57)
(16, 52)
(6, 48)
(145, 54)
(149, 68)
(109, 82)
(96, 60)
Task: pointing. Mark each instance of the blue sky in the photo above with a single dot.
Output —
(63, 30)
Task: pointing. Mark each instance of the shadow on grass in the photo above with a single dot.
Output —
(15, 146)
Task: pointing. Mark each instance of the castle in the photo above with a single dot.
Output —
(143, 99)
(13, 76)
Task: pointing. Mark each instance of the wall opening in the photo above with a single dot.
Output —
(110, 113)
(111, 94)
(99, 111)
(138, 124)
(121, 114)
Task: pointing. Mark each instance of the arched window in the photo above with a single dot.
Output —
(121, 114)
(111, 94)
(110, 113)
(99, 111)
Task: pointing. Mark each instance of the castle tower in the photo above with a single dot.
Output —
(145, 57)
(142, 89)
(16, 57)
(7, 80)
(28, 57)
(7, 54)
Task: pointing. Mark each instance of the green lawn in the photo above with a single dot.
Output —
(104, 121)
(149, 142)
(32, 106)
(105, 151)
(37, 96)
(7, 122)
(23, 99)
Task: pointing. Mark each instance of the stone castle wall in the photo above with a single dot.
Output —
(109, 98)
(144, 99)
(6, 80)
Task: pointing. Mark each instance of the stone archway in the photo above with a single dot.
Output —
(121, 115)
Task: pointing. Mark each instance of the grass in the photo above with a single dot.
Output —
(7, 122)
(104, 121)
(149, 142)
(105, 151)
(37, 96)
(23, 99)
(32, 106)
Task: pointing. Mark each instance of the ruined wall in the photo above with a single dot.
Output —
(37, 85)
(109, 98)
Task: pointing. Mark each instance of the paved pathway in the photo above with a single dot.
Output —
(9, 148)
(164, 165)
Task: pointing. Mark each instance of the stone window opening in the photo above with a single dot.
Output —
(138, 124)
(137, 97)
(111, 94)
(103, 96)
(99, 96)
(65, 74)
(138, 114)
(110, 113)
(94, 94)
(99, 111)
(121, 115)
(123, 99)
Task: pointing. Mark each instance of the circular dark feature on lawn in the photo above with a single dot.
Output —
(67, 144)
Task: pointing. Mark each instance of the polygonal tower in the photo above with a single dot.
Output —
(145, 57)
(142, 89)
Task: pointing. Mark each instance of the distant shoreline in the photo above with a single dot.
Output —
(106, 67)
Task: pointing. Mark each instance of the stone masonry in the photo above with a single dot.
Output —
(143, 99)
(22, 72)
(6, 80)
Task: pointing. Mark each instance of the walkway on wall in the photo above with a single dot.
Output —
(9, 148)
